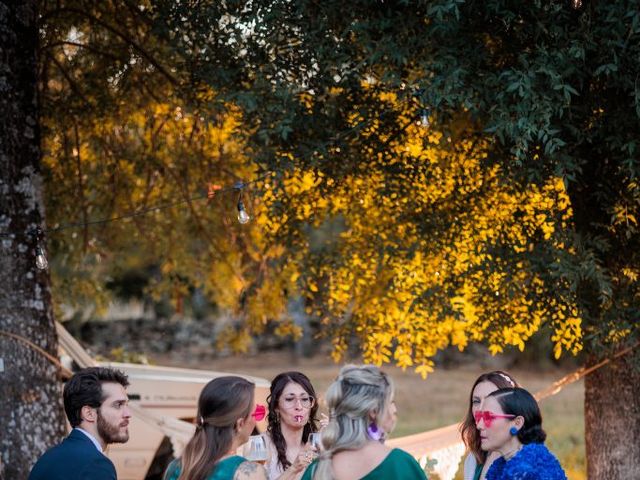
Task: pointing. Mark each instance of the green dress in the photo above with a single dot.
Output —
(225, 469)
(398, 464)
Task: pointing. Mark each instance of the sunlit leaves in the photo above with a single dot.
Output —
(435, 251)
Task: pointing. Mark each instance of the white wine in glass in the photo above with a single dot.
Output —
(315, 440)
(255, 449)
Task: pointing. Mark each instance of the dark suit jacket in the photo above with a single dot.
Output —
(76, 458)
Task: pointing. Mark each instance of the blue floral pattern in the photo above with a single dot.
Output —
(534, 461)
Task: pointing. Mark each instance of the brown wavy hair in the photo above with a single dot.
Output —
(222, 402)
(468, 429)
(277, 387)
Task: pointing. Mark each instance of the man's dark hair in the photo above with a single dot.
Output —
(85, 388)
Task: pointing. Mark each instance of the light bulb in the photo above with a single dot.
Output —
(243, 216)
(41, 258)
(424, 118)
(577, 4)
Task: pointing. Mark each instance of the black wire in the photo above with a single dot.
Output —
(238, 186)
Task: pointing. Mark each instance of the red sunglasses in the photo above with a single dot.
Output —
(259, 413)
(488, 417)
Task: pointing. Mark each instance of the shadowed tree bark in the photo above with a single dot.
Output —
(31, 414)
(612, 420)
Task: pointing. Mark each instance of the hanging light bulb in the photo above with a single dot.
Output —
(424, 118)
(243, 216)
(576, 4)
(41, 258)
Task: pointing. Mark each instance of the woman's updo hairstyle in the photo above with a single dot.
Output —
(352, 397)
(468, 429)
(519, 402)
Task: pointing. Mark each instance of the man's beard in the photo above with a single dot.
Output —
(111, 433)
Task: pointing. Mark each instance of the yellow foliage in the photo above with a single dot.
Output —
(408, 293)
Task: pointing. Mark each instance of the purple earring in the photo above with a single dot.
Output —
(374, 432)
(513, 431)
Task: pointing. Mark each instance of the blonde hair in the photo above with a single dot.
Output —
(352, 397)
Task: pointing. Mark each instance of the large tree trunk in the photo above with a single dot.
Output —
(612, 421)
(31, 414)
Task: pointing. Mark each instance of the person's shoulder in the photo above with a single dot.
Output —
(68, 460)
(534, 462)
(250, 471)
(399, 454)
(406, 462)
(173, 470)
(469, 466)
(99, 468)
(308, 472)
(470, 461)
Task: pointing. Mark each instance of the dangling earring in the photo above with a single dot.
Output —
(374, 432)
(513, 431)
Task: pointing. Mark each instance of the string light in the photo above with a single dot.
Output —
(243, 216)
(212, 190)
(41, 258)
(424, 118)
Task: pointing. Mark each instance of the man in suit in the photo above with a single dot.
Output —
(97, 407)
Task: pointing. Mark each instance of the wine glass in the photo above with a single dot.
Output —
(315, 440)
(255, 450)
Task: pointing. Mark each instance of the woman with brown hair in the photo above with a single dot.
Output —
(227, 415)
(292, 418)
(478, 461)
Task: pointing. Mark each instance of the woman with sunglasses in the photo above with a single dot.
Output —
(510, 423)
(292, 418)
(362, 413)
(227, 415)
(478, 460)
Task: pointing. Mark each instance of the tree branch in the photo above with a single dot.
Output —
(81, 45)
(72, 83)
(116, 32)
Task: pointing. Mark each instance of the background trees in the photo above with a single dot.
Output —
(549, 86)
(513, 205)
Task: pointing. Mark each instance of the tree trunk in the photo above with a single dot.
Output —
(612, 420)
(31, 414)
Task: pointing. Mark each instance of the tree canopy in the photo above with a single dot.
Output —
(540, 95)
(436, 172)
(426, 173)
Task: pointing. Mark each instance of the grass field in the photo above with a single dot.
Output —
(438, 401)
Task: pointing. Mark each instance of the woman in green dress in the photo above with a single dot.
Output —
(362, 413)
(227, 415)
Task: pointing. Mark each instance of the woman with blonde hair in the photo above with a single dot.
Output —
(362, 413)
(227, 415)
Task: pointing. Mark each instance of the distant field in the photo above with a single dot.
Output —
(439, 400)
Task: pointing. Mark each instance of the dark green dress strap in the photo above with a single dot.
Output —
(225, 469)
(478, 472)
